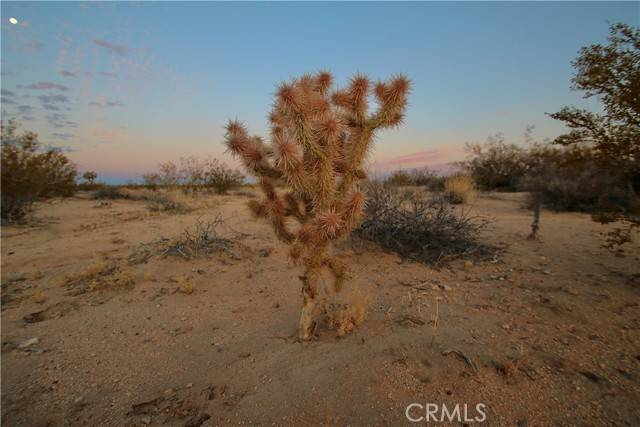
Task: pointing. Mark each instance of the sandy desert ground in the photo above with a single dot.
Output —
(551, 328)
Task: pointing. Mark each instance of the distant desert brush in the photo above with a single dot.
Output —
(310, 172)
(459, 188)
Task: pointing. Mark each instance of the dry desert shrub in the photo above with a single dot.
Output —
(191, 174)
(108, 192)
(400, 178)
(203, 238)
(418, 226)
(310, 173)
(167, 203)
(497, 165)
(221, 179)
(459, 188)
(30, 172)
(416, 177)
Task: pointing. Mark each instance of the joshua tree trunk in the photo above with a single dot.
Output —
(310, 171)
(309, 292)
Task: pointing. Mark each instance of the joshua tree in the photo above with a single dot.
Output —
(310, 172)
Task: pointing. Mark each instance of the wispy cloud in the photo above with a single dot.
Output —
(67, 73)
(118, 49)
(33, 46)
(6, 92)
(7, 101)
(50, 107)
(48, 86)
(25, 109)
(62, 136)
(59, 120)
(52, 99)
(108, 74)
(421, 157)
(106, 104)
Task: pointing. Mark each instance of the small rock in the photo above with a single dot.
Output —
(505, 326)
(146, 420)
(468, 265)
(265, 252)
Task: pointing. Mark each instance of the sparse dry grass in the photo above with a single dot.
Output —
(344, 318)
(99, 276)
(173, 201)
(131, 215)
(34, 275)
(38, 297)
(185, 284)
(459, 188)
(86, 227)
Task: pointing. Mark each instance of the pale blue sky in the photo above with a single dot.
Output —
(126, 85)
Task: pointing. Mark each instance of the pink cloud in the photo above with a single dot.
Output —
(440, 159)
(421, 157)
(107, 135)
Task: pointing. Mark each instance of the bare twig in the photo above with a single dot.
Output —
(463, 357)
